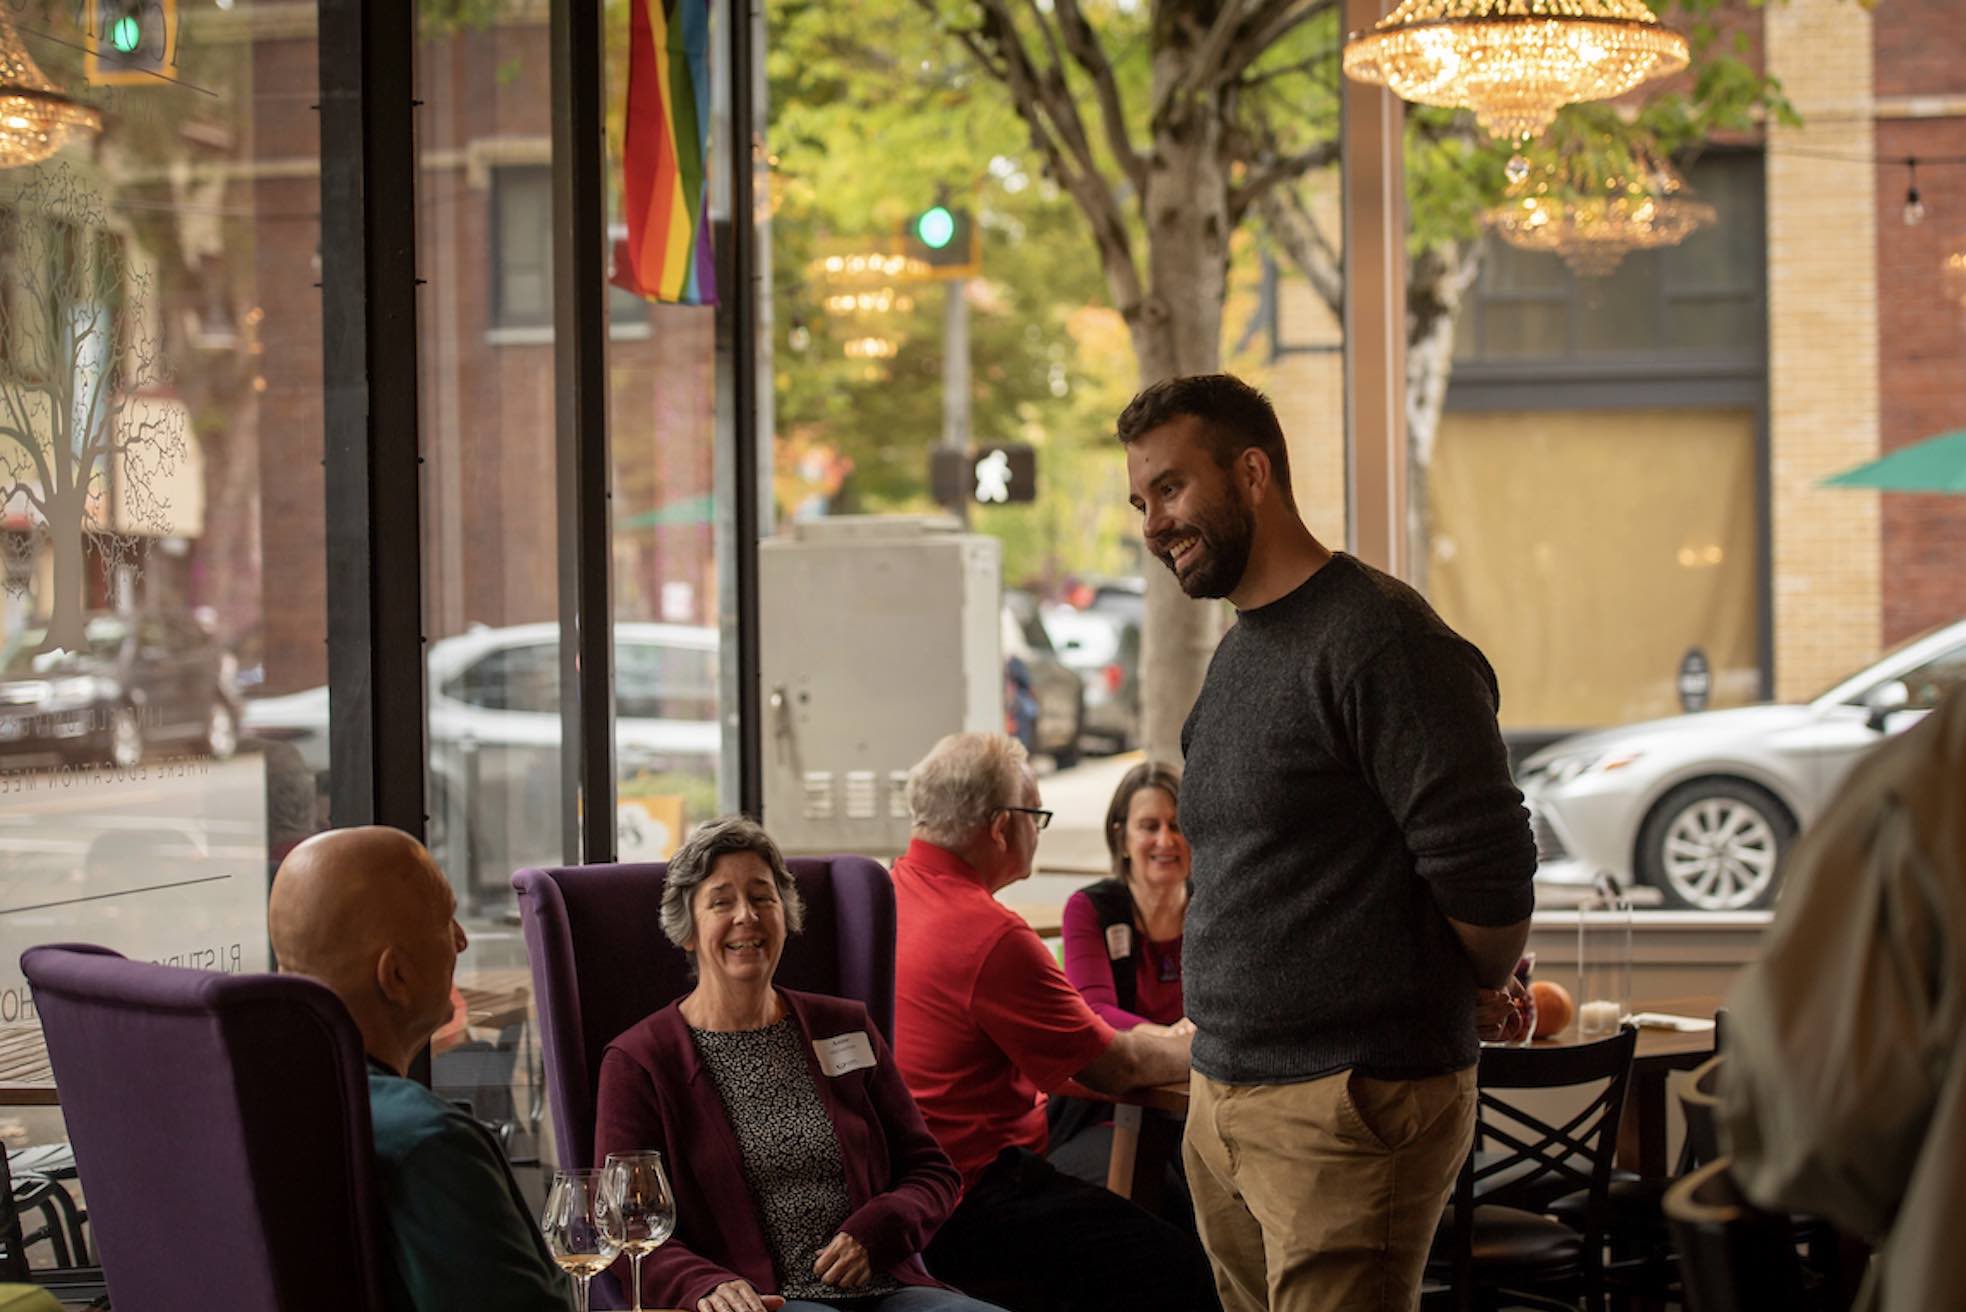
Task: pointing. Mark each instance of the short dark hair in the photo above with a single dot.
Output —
(1234, 417)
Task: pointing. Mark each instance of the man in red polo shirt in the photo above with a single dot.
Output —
(985, 1025)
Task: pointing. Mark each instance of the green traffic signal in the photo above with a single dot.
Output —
(935, 227)
(127, 34)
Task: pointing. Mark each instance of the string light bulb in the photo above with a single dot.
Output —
(1914, 203)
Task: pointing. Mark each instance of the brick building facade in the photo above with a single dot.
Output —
(486, 381)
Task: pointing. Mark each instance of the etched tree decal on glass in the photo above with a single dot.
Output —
(87, 440)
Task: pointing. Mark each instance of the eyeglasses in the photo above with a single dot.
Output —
(1038, 815)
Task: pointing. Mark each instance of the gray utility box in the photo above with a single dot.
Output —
(881, 634)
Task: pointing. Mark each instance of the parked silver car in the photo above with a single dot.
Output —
(1703, 807)
(1103, 648)
(494, 708)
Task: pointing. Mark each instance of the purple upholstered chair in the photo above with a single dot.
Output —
(600, 963)
(221, 1128)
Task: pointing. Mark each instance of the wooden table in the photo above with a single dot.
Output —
(1143, 1144)
(1046, 919)
(493, 1000)
(26, 1079)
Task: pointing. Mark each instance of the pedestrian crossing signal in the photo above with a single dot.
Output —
(1001, 475)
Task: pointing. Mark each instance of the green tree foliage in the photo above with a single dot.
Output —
(873, 117)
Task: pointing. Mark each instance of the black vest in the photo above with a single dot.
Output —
(1113, 902)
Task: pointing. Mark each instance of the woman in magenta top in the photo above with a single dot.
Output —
(1123, 954)
(1122, 935)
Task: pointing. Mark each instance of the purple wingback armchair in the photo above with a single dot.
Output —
(221, 1129)
(600, 963)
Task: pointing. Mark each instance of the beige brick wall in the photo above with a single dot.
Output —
(1822, 312)
(1308, 390)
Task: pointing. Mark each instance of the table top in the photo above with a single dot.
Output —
(1658, 1049)
(26, 1080)
(1675, 1049)
(1046, 918)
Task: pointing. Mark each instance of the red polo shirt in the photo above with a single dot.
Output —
(984, 1021)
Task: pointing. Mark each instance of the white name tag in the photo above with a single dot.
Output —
(1119, 941)
(844, 1052)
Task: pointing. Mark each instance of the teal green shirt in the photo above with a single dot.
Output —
(460, 1235)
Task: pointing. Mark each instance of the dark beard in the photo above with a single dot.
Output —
(1227, 535)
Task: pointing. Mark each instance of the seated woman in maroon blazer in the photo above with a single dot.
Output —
(801, 1166)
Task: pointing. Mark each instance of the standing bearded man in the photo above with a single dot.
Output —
(1363, 872)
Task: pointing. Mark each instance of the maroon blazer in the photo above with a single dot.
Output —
(655, 1093)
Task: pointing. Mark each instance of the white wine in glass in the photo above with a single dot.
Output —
(641, 1209)
(579, 1229)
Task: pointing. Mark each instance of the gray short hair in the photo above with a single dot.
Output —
(697, 858)
(953, 791)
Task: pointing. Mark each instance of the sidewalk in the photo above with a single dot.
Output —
(1072, 852)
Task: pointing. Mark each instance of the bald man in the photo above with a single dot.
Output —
(367, 913)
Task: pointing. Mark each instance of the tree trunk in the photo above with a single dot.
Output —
(1436, 282)
(66, 626)
(1177, 330)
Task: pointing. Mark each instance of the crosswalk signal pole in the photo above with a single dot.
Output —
(955, 380)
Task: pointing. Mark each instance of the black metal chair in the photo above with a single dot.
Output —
(1733, 1256)
(1492, 1253)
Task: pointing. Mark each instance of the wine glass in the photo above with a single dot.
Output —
(1525, 967)
(641, 1209)
(575, 1222)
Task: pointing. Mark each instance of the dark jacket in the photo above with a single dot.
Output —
(655, 1093)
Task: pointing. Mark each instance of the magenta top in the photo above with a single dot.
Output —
(1157, 970)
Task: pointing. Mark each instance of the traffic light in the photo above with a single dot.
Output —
(943, 238)
(132, 42)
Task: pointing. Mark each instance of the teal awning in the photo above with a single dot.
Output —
(689, 510)
(1938, 464)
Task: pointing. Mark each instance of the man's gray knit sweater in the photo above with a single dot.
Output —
(1346, 792)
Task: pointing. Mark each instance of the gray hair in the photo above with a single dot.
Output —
(697, 858)
(953, 791)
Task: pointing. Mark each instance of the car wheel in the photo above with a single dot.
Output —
(1716, 845)
(125, 738)
(221, 732)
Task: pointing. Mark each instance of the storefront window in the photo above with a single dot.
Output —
(162, 717)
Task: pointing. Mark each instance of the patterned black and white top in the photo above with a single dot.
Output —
(791, 1157)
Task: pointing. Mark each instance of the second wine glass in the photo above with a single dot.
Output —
(641, 1209)
(577, 1224)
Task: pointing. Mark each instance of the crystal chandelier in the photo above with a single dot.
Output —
(1514, 62)
(35, 117)
(1591, 218)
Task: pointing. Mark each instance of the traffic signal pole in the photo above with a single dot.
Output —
(955, 374)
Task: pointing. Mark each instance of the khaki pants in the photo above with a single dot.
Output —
(1326, 1194)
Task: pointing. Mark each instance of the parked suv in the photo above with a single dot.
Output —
(1044, 701)
(137, 680)
(1103, 647)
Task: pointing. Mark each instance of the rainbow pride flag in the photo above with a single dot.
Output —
(665, 154)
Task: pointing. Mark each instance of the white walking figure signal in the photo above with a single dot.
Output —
(993, 477)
